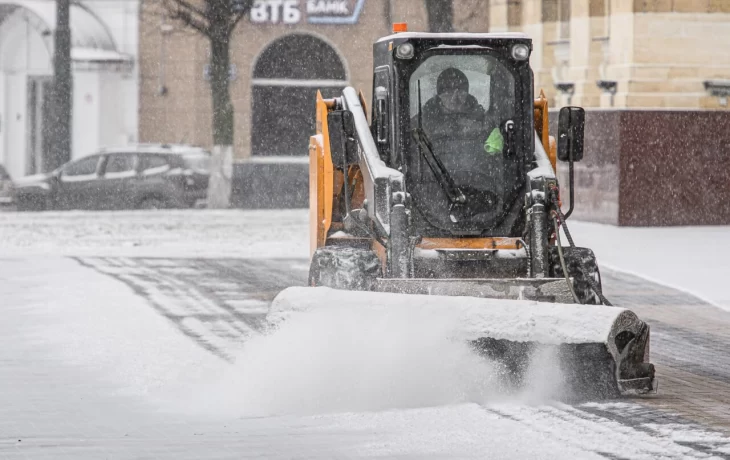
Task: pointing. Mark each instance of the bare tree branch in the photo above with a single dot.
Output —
(190, 7)
(216, 20)
(243, 7)
(189, 21)
(188, 14)
(236, 19)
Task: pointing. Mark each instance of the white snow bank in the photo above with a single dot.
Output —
(163, 233)
(341, 359)
(468, 317)
(692, 259)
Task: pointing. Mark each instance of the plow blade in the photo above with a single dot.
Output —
(541, 289)
(601, 351)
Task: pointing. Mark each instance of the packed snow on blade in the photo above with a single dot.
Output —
(602, 351)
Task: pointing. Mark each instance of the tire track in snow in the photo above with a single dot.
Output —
(614, 436)
(218, 303)
(162, 293)
(682, 431)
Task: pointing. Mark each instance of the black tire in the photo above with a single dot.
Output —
(344, 268)
(573, 258)
(153, 203)
(32, 203)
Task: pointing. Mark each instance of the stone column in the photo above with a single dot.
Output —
(620, 49)
(582, 73)
(532, 25)
(555, 76)
(498, 15)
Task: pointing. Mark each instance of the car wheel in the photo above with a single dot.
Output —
(152, 203)
(32, 203)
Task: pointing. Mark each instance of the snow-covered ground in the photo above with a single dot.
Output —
(692, 259)
(686, 258)
(88, 369)
(183, 233)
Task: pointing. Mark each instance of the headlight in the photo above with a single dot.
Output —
(520, 52)
(404, 51)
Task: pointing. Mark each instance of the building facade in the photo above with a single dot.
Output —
(625, 54)
(593, 53)
(281, 55)
(104, 36)
(605, 55)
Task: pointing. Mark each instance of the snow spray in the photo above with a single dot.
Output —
(335, 359)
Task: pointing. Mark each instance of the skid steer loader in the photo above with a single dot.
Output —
(451, 191)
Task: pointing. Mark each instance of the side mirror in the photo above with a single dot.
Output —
(571, 127)
(381, 112)
(342, 134)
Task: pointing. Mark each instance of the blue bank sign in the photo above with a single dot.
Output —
(311, 11)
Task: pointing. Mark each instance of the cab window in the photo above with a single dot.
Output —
(489, 82)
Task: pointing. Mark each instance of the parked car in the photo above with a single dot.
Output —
(138, 177)
(6, 187)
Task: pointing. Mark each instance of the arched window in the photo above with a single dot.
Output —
(286, 77)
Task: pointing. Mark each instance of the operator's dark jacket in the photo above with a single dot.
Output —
(469, 123)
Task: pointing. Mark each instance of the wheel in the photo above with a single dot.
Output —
(32, 203)
(152, 203)
(573, 258)
(344, 268)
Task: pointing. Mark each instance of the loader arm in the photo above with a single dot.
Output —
(380, 182)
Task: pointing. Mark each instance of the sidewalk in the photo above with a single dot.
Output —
(691, 259)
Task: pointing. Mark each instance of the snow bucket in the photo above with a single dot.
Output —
(601, 351)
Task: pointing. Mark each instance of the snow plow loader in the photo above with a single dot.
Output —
(450, 194)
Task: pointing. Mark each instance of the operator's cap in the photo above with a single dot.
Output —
(452, 78)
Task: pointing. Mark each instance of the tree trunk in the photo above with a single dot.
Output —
(220, 181)
(219, 81)
(219, 185)
(60, 129)
(440, 15)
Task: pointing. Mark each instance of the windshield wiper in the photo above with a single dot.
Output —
(425, 149)
(453, 192)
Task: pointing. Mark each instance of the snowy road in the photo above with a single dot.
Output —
(116, 350)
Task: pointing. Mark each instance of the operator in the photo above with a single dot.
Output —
(455, 114)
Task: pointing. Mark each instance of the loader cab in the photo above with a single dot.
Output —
(471, 95)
